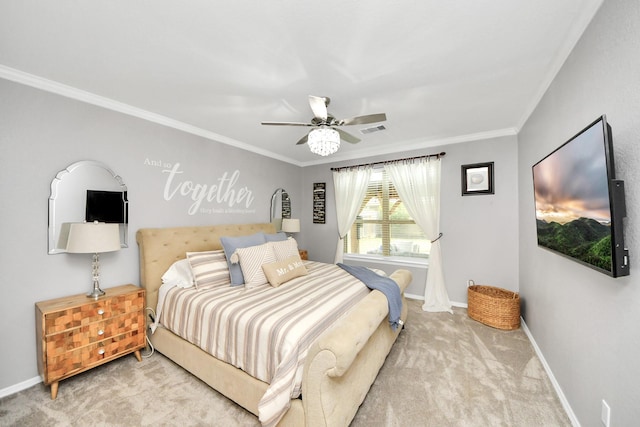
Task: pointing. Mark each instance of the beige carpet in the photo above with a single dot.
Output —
(445, 370)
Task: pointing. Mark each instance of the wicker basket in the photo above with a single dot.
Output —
(495, 307)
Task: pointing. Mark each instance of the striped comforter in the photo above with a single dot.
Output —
(264, 331)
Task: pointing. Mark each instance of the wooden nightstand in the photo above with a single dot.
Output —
(303, 254)
(77, 333)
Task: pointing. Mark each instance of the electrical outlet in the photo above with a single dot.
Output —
(605, 416)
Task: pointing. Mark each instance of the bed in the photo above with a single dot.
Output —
(339, 367)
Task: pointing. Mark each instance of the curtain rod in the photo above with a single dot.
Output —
(442, 154)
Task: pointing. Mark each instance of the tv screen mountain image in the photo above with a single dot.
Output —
(574, 200)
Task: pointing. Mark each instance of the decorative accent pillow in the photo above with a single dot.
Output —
(230, 244)
(251, 260)
(209, 267)
(285, 249)
(277, 237)
(282, 271)
(179, 274)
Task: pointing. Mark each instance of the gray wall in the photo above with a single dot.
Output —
(480, 232)
(586, 323)
(43, 133)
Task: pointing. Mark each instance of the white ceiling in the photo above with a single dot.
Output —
(442, 71)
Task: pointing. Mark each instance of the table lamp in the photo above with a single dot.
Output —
(93, 238)
(290, 225)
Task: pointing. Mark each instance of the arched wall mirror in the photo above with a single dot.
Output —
(280, 207)
(86, 191)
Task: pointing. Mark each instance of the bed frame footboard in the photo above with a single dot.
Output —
(343, 363)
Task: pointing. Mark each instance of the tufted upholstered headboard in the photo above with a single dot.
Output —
(161, 247)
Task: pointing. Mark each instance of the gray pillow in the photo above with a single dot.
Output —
(277, 237)
(230, 244)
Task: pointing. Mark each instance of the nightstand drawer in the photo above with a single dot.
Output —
(71, 339)
(71, 362)
(74, 317)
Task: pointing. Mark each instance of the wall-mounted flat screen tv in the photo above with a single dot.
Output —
(580, 205)
(106, 206)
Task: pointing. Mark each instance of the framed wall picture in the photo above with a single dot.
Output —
(319, 190)
(286, 205)
(477, 179)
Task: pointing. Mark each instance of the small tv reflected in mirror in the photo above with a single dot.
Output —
(106, 206)
(580, 205)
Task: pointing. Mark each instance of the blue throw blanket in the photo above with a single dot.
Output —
(384, 284)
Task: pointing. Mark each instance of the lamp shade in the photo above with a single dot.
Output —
(290, 225)
(93, 237)
(323, 141)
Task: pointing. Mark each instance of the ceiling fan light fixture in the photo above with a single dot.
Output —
(324, 141)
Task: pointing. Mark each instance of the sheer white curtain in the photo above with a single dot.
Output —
(350, 186)
(418, 184)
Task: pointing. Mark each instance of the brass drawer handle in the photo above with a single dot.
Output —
(100, 332)
(100, 311)
(101, 351)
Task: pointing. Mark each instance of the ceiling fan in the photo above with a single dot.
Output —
(324, 139)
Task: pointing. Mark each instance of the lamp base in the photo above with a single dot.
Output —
(95, 270)
(96, 293)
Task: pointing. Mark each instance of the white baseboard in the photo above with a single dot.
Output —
(552, 378)
(421, 298)
(19, 387)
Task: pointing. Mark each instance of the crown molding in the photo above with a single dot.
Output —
(51, 86)
(560, 58)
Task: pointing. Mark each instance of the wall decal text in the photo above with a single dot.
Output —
(233, 198)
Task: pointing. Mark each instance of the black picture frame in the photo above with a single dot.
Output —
(477, 179)
(319, 200)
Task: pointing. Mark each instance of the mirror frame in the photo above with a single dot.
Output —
(285, 207)
(56, 190)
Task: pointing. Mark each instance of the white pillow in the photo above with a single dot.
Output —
(209, 268)
(285, 249)
(179, 274)
(251, 260)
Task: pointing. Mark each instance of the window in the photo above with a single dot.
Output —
(383, 226)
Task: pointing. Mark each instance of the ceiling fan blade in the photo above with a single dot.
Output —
(286, 124)
(347, 136)
(303, 140)
(363, 120)
(318, 106)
